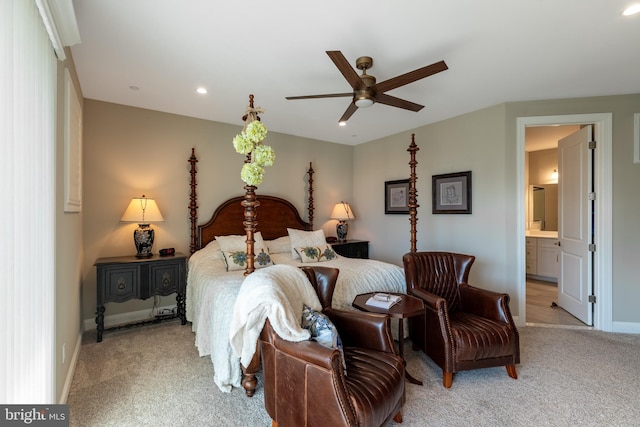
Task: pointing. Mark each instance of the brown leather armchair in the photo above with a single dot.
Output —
(305, 383)
(464, 327)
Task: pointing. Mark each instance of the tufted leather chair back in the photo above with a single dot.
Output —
(323, 280)
(438, 273)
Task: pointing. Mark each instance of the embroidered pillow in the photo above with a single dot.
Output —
(316, 254)
(234, 250)
(322, 330)
(237, 260)
(301, 238)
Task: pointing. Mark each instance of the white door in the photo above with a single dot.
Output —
(575, 222)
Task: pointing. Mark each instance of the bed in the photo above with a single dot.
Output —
(212, 290)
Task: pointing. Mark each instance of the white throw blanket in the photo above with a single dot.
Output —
(277, 293)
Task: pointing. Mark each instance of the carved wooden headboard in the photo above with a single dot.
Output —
(274, 215)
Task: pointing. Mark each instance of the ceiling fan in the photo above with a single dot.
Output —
(365, 90)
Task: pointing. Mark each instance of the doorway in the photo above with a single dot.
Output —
(602, 275)
(543, 306)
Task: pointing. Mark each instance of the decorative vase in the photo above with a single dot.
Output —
(143, 238)
(342, 228)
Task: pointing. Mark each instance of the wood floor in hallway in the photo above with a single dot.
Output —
(540, 296)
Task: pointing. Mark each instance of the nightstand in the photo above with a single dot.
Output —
(123, 278)
(352, 248)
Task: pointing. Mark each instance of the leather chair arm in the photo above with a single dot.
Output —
(436, 315)
(364, 330)
(484, 303)
(310, 352)
(431, 301)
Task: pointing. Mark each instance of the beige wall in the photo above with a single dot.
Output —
(626, 176)
(125, 145)
(69, 254)
(131, 151)
(485, 141)
(474, 142)
(542, 163)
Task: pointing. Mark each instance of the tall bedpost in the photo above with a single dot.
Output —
(310, 205)
(250, 201)
(413, 192)
(193, 203)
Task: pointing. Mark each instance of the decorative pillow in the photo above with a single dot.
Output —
(239, 242)
(213, 250)
(279, 245)
(237, 260)
(316, 254)
(322, 330)
(301, 239)
(234, 251)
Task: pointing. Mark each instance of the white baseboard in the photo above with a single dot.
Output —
(124, 318)
(621, 327)
(64, 394)
(626, 327)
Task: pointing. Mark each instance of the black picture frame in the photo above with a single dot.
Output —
(451, 193)
(396, 197)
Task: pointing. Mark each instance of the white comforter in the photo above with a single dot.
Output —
(212, 292)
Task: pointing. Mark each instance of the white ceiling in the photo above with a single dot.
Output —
(546, 137)
(497, 51)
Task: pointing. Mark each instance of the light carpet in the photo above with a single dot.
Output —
(152, 376)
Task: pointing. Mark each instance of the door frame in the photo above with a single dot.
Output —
(602, 262)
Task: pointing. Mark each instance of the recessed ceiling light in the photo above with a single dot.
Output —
(201, 90)
(631, 10)
(342, 123)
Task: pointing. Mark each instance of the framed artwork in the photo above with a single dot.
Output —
(451, 193)
(636, 138)
(72, 147)
(396, 197)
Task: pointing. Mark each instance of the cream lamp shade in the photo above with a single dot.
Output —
(343, 213)
(142, 210)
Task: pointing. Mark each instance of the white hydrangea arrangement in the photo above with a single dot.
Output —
(249, 143)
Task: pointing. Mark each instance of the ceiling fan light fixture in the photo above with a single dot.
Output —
(364, 102)
(362, 99)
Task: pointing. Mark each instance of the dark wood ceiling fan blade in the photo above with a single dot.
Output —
(411, 76)
(383, 98)
(329, 95)
(347, 71)
(348, 113)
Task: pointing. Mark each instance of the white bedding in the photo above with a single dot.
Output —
(212, 291)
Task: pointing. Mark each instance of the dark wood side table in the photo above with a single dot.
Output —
(127, 277)
(352, 248)
(409, 306)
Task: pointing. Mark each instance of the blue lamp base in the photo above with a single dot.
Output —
(342, 228)
(143, 239)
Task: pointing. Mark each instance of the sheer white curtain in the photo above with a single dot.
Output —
(27, 185)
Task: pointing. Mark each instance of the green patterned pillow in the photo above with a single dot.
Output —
(316, 254)
(237, 260)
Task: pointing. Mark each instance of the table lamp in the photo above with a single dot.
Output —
(143, 211)
(342, 212)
